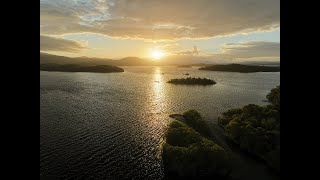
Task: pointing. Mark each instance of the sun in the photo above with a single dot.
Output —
(157, 54)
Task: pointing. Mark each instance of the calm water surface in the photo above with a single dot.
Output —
(111, 126)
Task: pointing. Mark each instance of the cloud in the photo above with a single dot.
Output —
(195, 51)
(234, 52)
(168, 47)
(158, 20)
(252, 50)
(48, 43)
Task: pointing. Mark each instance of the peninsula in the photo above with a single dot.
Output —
(241, 68)
(190, 151)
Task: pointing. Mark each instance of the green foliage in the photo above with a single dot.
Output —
(182, 135)
(274, 96)
(194, 120)
(256, 129)
(196, 81)
(228, 116)
(187, 154)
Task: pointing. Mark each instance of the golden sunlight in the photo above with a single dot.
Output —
(157, 54)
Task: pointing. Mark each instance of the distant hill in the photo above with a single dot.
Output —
(174, 60)
(79, 68)
(54, 59)
(132, 61)
(263, 63)
(128, 61)
(87, 61)
(241, 68)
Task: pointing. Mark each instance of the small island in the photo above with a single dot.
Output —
(241, 68)
(184, 66)
(79, 68)
(190, 151)
(192, 81)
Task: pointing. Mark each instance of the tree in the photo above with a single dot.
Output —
(256, 129)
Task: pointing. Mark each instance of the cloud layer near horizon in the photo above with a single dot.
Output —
(48, 43)
(158, 20)
(237, 52)
(251, 50)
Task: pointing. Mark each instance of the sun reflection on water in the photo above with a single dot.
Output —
(158, 102)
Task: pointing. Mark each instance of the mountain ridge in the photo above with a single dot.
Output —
(46, 58)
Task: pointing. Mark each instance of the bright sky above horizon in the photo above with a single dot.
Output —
(220, 30)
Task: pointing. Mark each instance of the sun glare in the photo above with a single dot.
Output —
(157, 54)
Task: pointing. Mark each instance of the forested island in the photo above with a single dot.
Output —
(192, 81)
(80, 68)
(241, 68)
(190, 151)
(256, 129)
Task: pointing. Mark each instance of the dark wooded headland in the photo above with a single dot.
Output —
(190, 150)
(79, 68)
(256, 129)
(241, 68)
(193, 81)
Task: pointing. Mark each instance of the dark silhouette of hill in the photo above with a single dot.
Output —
(262, 63)
(127, 61)
(175, 60)
(79, 68)
(132, 61)
(85, 61)
(241, 68)
(88, 61)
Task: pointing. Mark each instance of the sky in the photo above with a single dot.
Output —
(217, 30)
